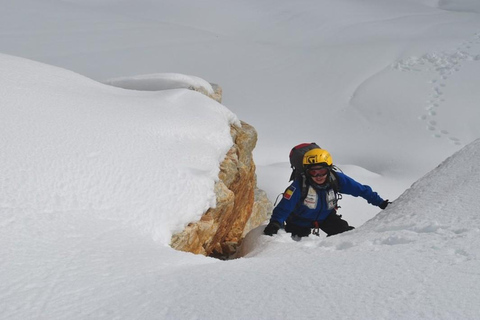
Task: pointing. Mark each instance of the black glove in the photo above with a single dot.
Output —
(272, 228)
(384, 204)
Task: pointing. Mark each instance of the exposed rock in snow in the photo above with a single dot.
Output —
(240, 205)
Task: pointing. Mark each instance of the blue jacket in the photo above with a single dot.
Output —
(320, 201)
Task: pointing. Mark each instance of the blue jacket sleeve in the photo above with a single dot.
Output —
(353, 188)
(289, 201)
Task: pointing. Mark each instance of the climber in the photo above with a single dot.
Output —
(310, 202)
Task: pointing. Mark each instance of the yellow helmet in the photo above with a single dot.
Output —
(317, 157)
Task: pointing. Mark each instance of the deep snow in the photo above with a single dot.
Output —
(94, 179)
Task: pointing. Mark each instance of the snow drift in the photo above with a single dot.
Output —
(74, 147)
(162, 81)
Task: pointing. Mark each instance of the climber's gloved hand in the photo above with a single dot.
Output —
(271, 228)
(384, 204)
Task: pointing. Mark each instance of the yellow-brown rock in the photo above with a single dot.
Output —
(240, 205)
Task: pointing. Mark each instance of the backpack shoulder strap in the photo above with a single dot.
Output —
(304, 186)
(334, 182)
(303, 191)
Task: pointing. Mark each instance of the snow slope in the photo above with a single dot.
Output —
(61, 261)
(418, 259)
(94, 179)
(323, 60)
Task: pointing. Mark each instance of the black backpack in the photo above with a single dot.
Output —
(298, 172)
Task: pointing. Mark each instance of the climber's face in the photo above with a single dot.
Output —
(318, 174)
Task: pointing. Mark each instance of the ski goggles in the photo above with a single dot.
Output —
(318, 172)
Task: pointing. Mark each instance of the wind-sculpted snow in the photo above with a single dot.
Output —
(72, 146)
(161, 81)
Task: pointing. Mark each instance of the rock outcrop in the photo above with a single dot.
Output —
(241, 206)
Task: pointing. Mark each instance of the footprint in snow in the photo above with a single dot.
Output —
(444, 64)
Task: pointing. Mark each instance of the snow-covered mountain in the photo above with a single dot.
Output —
(94, 179)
